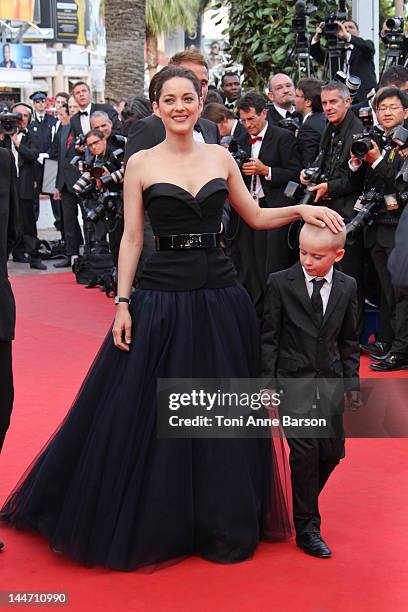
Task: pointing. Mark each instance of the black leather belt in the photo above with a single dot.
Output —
(187, 241)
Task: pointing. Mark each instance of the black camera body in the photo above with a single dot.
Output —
(290, 123)
(331, 28)
(109, 205)
(302, 12)
(368, 204)
(302, 193)
(362, 142)
(9, 122)
(238, 153)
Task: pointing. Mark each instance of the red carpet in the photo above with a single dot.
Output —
(60, 327)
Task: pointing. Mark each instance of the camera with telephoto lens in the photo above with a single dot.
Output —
(395, 35)
(109, 205)
(89, 164)
(115, 167)
(302, 193)
(9, 122)
(352, 82)
(362, 142)
(367, 205)
(238, 153)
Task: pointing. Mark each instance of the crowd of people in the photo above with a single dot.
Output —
(302, 151)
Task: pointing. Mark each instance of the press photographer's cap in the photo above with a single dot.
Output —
(38, 96)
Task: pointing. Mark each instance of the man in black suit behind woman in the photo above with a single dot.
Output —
(81, 121)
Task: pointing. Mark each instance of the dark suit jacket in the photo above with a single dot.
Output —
(309, 136)
(149, 132)
(27, 155)
(107, 108)
(344, 187)
(273, 117)
(279, 151)
(9, 234)
(67, 174)
(43, 132)
(361, 63)
(398, 260)
(293, 344)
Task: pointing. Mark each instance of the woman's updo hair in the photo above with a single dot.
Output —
(167, 73)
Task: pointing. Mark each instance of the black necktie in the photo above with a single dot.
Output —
(316, 299)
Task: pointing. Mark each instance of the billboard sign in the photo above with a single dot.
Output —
(16, 56)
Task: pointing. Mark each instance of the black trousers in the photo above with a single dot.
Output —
(311, 463)
(28, 243)
(396, 302)
(353, 265)
(261, 252)
(72, 231)
(6, 388)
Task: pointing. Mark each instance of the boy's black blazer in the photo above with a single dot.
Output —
(293, 344)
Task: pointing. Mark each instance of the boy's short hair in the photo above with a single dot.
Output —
(325, 235)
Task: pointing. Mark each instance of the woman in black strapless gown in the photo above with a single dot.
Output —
(105, 490)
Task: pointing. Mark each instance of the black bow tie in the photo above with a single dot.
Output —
(83, 113)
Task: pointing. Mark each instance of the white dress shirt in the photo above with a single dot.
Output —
(86, 119)
(234, 127)
(325, 290)
(283, 111)
(256, 185)
(198, 137)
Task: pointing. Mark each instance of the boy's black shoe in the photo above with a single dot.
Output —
(390, 363)
(313, 544)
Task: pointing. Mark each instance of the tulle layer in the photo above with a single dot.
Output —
(106, 491)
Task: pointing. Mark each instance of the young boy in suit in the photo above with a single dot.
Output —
(309, 332)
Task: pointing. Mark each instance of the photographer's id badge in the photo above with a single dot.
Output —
(358, 205)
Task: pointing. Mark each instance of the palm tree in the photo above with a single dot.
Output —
(125, 34)
(163, 17)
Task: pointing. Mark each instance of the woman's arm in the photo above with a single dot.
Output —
(268, 218)
(130, 247)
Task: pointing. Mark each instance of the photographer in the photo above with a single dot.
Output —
(309, 104)
(340, 189)
(97, 146)
(356, 56)
(384, 164)
(393, 36)
(24, 147)
(100, 121)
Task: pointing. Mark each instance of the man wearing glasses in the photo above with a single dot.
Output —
(390, 352)
(273, 161)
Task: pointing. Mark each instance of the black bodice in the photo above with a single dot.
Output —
(173, 210)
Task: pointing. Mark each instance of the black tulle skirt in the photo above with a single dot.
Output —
(106, 491)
